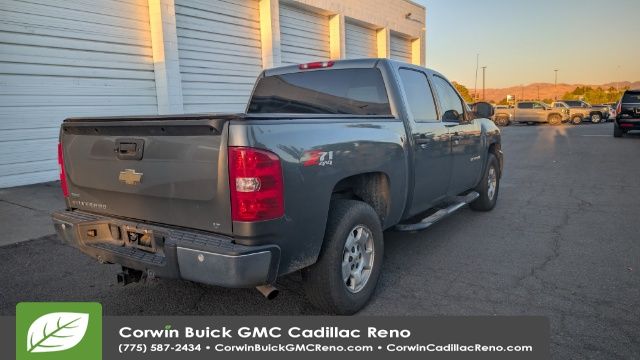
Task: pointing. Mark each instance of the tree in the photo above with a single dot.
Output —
(594, 96)
(464, 92)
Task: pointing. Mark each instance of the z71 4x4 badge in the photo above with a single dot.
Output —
(317, 158)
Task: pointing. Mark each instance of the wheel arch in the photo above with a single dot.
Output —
(372, 188)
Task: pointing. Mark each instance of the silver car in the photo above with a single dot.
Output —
(531, 112)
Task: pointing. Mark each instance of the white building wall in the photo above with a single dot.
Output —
(361, 41)
(304, 35)
(65, 58)
(62, 58)
(220, 53)
(401, 48)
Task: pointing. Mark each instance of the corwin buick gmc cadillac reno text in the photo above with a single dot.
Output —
(328, 155)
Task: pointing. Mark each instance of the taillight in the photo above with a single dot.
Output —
(316, 65)
(63, 174)
(255, 180)
(619, 107)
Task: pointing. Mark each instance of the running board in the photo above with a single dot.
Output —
(459, 202)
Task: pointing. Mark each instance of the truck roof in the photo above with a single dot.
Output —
(335, 64)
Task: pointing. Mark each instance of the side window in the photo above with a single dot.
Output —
(419, 96)
(525, 105)
(537, 106)
(452, 107)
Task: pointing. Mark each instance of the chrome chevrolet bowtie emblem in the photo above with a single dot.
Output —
(130, 177)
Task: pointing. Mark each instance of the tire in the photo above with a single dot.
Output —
(502, 121)
(488, 199)
(576, 120)
(531, 123)
(596, 118)
(617, 132)
(324, 282)
(555, 120)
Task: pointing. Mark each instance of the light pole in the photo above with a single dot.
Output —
(555, 89)
(475, 86)
(484, 68)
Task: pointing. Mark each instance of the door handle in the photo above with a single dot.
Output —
(129, 149)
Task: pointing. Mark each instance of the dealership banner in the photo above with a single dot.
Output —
(79, 331)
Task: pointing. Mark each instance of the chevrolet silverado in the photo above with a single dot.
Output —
(326, 157)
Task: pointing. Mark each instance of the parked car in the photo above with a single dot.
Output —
(328, 155)
(628, 113)
(531, 112)
(582, 111)
(606, 111)
(612, 111)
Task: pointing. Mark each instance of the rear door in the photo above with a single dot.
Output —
(466, 140)
(431, 150)
(162, 171)
(524, 112)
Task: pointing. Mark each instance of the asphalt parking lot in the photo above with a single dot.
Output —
(563, 242)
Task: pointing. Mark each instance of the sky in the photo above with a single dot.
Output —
(523, 41)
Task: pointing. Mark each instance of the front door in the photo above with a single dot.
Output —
(466, 140)
(431, 145)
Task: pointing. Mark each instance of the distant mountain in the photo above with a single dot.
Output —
(545, 90)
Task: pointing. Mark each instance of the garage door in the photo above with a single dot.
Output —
(361, 42)
(219, 50)
(400, 48)
(62, 58)
(304, 35)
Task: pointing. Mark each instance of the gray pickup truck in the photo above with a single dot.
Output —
(327, 156)
(531, 113)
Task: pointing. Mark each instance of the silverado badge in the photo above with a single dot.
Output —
(130, 177)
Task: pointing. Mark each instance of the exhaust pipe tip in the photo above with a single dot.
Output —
(268, 291)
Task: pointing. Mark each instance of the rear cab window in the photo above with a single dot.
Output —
(359, 91)
(631, 97)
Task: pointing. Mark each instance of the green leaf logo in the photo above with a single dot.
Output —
(56, 332)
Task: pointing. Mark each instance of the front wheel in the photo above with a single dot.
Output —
(488, 187)
(502, 121)
(555, 120)
(343, 279)
(596, 118)
(576, 120)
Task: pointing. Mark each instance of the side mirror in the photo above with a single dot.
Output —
(483, 110)
(451, 116)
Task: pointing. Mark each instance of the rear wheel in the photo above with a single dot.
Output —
(488, 187)
(555, 120)
(617, 132)
(576, 120)
(347, 271)
(596, 118)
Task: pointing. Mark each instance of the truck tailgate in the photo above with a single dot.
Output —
(167, 170)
